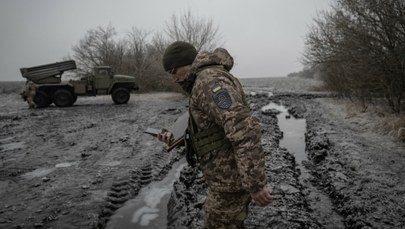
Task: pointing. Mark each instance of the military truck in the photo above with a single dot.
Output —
(51, 89)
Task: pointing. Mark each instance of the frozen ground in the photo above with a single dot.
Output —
(75, 167)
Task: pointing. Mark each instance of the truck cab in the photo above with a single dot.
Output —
(102, 78)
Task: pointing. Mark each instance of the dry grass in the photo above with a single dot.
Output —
(378, 117)
(283, 84)
(393, 125)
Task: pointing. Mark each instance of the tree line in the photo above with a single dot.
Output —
(139, 53)
(359, 48)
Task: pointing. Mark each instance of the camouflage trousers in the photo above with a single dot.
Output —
(226, 209)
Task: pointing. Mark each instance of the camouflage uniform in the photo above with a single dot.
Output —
(217, 100)
(30, 92)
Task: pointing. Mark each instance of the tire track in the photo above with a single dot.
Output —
(367, 193)
(128, 187)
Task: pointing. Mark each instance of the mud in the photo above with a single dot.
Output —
(75, 167)
(361, 172)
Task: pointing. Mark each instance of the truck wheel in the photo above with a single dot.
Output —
(42, 99)
(62, 98)
(120, 95)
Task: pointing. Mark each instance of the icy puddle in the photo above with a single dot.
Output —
(294, 141)
(149, 208)
(293, 132)
(40, 172)
(12, 146)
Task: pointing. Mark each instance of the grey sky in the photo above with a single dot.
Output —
(265, 37)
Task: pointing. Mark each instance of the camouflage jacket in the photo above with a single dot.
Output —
(217, 99)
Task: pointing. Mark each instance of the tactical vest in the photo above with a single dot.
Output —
(207, 140)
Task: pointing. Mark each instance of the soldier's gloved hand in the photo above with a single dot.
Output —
(262, 197)
(165, 136)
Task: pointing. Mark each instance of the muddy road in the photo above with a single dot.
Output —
(91, 165)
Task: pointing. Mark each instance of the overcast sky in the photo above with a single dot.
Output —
(265, 37)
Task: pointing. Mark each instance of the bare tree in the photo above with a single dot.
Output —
(137, 57)
(118, 56)
(98, 48)
(363, 42)
(139, 53)
(202, 33)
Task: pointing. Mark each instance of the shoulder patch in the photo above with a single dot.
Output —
(221, 96)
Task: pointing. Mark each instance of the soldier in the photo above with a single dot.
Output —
(225, 136)
(30, 91)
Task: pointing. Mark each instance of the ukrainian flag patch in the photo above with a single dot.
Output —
(216, 87)
(221, 96)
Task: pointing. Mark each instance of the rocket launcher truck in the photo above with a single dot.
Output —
(51, 88)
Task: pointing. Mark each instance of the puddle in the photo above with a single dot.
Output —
(293, 132)
(149, 208)
(40, 172)
(66, 164)
(3, 140)
(294, 141)
(12, 146)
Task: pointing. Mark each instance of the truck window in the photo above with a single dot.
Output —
(103, 72)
